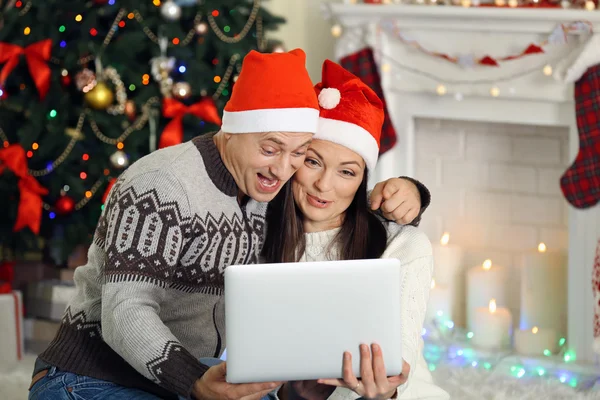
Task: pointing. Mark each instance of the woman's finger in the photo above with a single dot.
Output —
(379, 367)
(332, 382)
(366, 371)
(347, 372)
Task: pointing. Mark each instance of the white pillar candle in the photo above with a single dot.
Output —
(535, 341)
(449, 272)
(439, 303)
(484, 282)
(544, 290)
(492, 327)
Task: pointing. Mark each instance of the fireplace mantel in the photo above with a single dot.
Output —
(410, 79)
(531, 20)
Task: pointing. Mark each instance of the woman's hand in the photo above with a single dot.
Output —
(374, 384)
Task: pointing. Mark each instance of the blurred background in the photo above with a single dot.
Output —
(488, 103)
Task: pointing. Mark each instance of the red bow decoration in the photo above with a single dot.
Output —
(7, 274)
(29, 213)
(173, 133)
(36, 55)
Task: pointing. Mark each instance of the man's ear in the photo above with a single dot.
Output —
(227, 136)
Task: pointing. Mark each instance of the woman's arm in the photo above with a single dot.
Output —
(413, 249)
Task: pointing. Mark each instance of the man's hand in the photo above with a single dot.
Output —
(398, 198)
(213, 386)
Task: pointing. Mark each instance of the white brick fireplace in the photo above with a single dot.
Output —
(492, 162)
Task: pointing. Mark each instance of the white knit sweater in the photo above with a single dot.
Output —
(413, 249)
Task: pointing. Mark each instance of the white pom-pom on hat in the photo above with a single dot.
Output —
(329, 98)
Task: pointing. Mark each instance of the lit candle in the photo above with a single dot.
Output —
(449, 272)
(492, 327)
(484, 282)
(535, 341)
(544, 290)
(439, 303)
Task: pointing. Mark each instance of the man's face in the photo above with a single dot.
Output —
(263, 162)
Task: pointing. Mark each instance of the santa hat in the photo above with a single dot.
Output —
(273, 93)
(351, 114)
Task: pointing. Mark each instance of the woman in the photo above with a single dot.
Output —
(324, 215)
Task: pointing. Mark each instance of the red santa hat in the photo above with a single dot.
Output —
(351, 114)
(273, 93)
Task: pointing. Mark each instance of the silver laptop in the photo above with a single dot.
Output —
(293, 321)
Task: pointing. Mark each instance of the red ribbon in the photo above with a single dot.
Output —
(36, 55)
(173, 133)
(111, 183)
(18, 310)
(29, 213)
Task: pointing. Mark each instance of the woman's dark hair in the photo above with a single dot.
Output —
(362, 234)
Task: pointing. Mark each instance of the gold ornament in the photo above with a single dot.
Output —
(130, 109)
(100, 97)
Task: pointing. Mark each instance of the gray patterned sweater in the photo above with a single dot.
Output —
(170, 226)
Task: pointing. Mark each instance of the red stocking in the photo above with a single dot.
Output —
(596, 293)
(362, 64)
(581, 182)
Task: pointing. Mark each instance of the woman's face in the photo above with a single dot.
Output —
(326, 184)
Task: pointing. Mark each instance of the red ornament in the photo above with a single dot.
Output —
(65, 205)
(65, 80)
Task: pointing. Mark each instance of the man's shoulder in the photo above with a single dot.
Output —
(165, 159)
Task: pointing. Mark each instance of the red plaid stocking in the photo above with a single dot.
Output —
(362, 64)
(596, 293)
(581, 182)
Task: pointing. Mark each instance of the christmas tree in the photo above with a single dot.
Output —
(88, 87)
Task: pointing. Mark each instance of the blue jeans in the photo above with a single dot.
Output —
(61, 385)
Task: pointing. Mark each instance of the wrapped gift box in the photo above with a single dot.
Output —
(26, 272)
(11, 327)
(38, 334)
(66, 274)
(49, 299)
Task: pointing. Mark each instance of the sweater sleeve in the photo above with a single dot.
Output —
(425, 198)
(144, 222)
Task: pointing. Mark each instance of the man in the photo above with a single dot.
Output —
(149, 303)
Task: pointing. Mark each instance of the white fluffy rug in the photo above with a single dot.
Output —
(462, 384)
(15, 379)
(479, 384)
